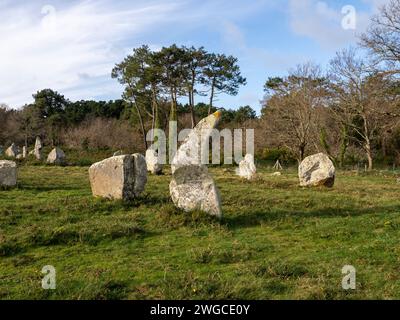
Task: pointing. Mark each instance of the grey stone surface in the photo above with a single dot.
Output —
(120, 177)
(24, 152)
(152, 161)
(317, 170)
(37, 151)
(247, 168)
(192, 187)
(56, 156)
(12, 151)
(8, 173)
(189, 153)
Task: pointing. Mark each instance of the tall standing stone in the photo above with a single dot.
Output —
(120, 177)
(8, 173)
(56, 156)
(317, 170)
(192, 187)
(37, 152)
(24, 152)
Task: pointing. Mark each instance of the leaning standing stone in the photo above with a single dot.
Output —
(8, 173)
(56, 156)
(317, 170)
(121, 177)
(191, 187)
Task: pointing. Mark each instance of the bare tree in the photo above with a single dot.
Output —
(383, 36)
(362, 99)
(291, 107)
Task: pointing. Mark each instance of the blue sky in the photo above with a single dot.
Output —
(71, 46)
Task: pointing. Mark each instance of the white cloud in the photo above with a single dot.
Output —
(323, 23)
(67, 48)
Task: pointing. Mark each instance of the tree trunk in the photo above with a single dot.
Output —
(141, 125)
(369, 155)
(367, 146)
(191, 107)
(211, 97)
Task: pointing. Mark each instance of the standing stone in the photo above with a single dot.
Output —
(190, 151)
(317, 170)
(247, 168)
(192, 187)
(56, 156)
(12, 151)
(37, 152)
(8, 173)
(24, 152)
(120, 177)
(153, 163)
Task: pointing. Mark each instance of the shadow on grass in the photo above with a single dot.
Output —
(251, 218)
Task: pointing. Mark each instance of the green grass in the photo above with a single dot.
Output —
(276, 240)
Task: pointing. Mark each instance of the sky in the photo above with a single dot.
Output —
(72, 46)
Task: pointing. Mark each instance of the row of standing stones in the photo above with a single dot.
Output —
(8, 169)
(56, 156)
(191, 187)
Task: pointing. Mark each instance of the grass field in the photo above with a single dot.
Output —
(276, 240)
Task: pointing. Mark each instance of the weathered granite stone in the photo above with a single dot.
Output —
(121, 177)
(153, 163)
(24, 152)
(192, 187)
(37, 151)
(56, 156)
(8, 173)
(247, 168)
(317, 170)
(190, 151)
(12, 151)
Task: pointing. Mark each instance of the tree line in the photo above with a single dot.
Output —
(349, 110)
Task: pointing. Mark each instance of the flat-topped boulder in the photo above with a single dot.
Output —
(8, 173)
(247, 168)
(56, 156)
(317, 170)
(120, 177)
